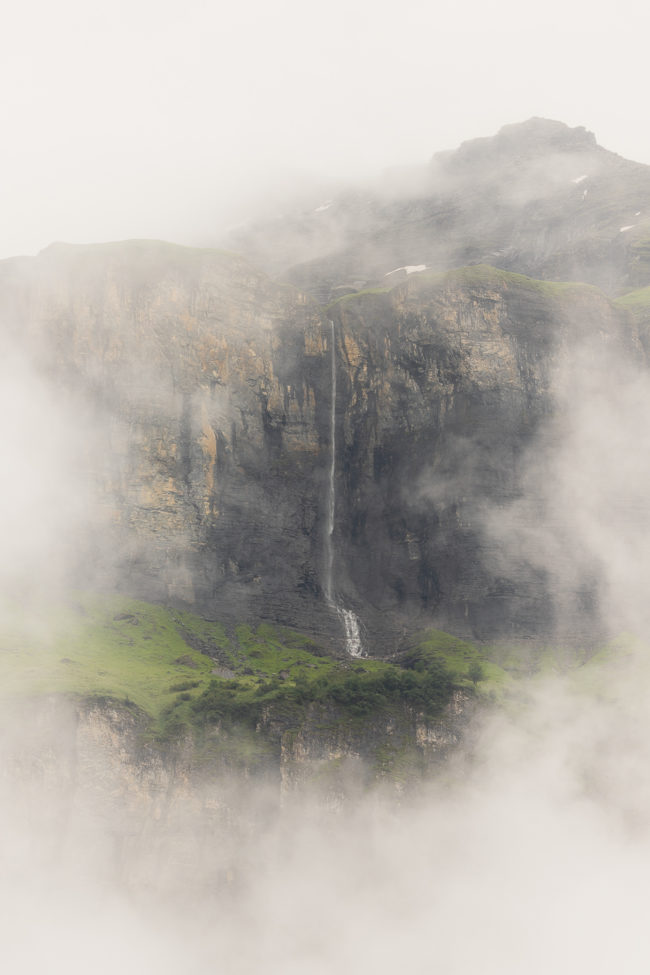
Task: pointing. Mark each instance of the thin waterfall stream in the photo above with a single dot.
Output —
(349, 619)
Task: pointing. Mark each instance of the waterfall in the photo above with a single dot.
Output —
(331, 494)
(352, 631)
(349, 619)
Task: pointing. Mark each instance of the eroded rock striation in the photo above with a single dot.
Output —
(202, 386)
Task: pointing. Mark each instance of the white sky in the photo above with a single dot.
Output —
(155, 118)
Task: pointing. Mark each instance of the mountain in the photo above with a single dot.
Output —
(366, 469)
(416, 433)
(326, 561)
(539, 198)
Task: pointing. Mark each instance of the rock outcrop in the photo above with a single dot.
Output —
(84, 779)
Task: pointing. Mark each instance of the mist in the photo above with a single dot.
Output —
(583, 517)
(528, 849)
(528, 852)
(47, 500)
(148, 120)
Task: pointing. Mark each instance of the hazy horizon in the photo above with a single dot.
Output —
(152, 121)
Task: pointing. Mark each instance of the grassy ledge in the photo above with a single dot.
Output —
(638, 300)
(475, 275)
(184, 672)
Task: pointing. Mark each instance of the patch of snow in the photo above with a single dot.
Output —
(629, 227)
(324, 206)
(409, 268)
(579, 179)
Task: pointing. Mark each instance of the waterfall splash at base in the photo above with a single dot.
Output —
(352, 632)
(350, 620)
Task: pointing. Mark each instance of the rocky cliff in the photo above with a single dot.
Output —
(448, 382)
(84, 779)
(205, 393)
(200, 388)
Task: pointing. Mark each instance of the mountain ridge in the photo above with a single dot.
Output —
(538, 198)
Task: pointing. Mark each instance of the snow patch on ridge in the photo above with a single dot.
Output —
(409, 268)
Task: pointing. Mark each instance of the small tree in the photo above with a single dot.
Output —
(475, 672)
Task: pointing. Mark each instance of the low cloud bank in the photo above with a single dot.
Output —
(528, 853)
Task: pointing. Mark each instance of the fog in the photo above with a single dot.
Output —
(529, 850)
(153, 120)
(530, 853)
(583, 517)
(46, 499)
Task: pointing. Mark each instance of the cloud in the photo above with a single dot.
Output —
(526, 853)
(45, 489)
(156, 121)
(583, 516)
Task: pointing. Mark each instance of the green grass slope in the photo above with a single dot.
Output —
(184, 672)
(474, 276)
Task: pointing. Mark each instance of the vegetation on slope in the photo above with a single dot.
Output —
(462, 660)
(618, 670)
(475, 275)
(169, 662)
(488, 276)
(638, 300)
(186, 673)
(244, 695)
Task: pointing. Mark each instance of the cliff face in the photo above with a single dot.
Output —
(200, 385)
(206, 393)
(447, 380)
(89, 771)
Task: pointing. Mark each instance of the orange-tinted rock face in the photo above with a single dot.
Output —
(200, 382)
